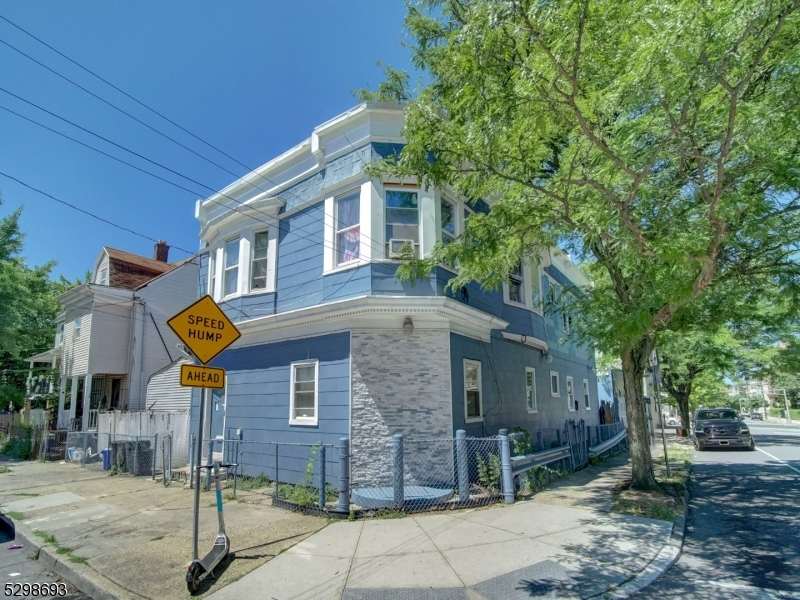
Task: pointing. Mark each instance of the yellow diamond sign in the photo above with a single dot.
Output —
(204, 328)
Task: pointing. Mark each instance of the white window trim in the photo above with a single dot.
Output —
(534, 410)
(370, 246)
(570, 401)
(557, 393)
(587, 395)
(418, 191)
(251, 257)
(470, 362)
(225, 268)
(304, 420)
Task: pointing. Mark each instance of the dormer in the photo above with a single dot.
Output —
(117, 268)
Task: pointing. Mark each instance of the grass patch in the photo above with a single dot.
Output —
(679, 453)
(25, 494)
(4, 470)
(63, 550)
(17, 516)
(158, 537)
(390, 513)
(46, 537)
(244, 482)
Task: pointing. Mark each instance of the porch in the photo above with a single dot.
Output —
(82, 397)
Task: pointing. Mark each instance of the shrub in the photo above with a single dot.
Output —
(489, 472)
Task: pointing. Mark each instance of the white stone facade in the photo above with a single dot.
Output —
(401, 384)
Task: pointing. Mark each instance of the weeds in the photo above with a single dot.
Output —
(390, 513)
(17, 516)
(46, 537)
(158, 537)
(243, 482)
(489, 472)
(4, 469)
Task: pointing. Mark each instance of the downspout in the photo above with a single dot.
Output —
(130, 351)
(141, 352)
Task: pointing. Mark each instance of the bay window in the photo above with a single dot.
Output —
(448, 214)
(348, 228)
(402, 222)
(516, 285)
(231, 275)
(258, 268)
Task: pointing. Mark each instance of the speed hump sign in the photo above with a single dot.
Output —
(204, 329)
(202, 376)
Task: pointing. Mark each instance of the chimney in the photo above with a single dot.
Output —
(161, 251)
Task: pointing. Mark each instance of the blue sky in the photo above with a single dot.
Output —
(253, 78)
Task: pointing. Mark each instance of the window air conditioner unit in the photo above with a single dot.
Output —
(396, 245)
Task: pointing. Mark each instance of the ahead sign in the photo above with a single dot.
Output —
(205, 329)
(198, 376)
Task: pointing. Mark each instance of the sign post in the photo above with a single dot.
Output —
(206, 331)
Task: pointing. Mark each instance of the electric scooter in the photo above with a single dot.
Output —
(200, 568)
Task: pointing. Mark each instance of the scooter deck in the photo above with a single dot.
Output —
(218, 551)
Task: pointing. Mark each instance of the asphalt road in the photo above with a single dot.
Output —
(17, 567)
(743, 536)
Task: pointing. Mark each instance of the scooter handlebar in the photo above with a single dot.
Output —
(211, 466)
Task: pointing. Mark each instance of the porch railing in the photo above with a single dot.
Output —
(92, 419)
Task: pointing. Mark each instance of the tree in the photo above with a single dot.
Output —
(658, 142)
(28, 308)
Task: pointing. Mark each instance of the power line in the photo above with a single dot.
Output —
(86, 212)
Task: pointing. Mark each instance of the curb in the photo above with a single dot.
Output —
(83, 577)
(668, 556)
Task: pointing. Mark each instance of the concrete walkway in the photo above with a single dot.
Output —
(562, 544)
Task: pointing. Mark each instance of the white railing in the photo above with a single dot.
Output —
(92, 421)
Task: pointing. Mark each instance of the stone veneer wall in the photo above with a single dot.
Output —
(401, 384)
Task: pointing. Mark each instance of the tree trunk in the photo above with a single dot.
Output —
(683, 406)
(634, 363)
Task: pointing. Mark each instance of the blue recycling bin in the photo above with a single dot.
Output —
(106, 454)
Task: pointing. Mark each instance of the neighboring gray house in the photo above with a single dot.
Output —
(303, 259)
(112, 334)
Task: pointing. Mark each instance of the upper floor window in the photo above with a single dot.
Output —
(258, 269)
(77, 332)
(231, 275)
(448, 211)
(586, 402)
(402, 222)
(59, 334)
(516, 285)
(103, 276)
(212, 273)
(554, 384)
(348, 228)
(572, 404)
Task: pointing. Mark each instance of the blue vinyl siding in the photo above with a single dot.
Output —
(352, 283)
(504, 402)
(385, 283)
(258, 389)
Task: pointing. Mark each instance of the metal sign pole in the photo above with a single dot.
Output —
(198, 462)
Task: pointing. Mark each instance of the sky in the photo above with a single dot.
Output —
(251, 78)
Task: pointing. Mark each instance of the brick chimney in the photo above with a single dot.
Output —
(161, 251)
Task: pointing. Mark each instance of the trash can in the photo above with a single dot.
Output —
(139, 456)
(106, 455)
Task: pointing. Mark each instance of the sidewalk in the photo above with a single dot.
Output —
(564, 543)
(119, 537)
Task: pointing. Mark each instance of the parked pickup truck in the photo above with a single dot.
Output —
(721, 428)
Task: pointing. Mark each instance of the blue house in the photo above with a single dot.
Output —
(302, 254)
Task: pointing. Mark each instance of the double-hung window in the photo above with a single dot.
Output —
(103, 276)
(516, 285)
(77, 331)
(303, 403)
(554, 384)
(586, 401)
(448, 210)
(472, 391)
(348, 228)
(258, 269)
(231, 275)
(59, 334)
(536, 288)
(571, 404)
(530, 388)
(402, 222)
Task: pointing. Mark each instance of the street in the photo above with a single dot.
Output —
(743, 522)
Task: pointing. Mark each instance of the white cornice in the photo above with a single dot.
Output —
(263, 205)
(371, 312)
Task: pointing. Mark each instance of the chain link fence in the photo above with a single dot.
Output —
(135, 455)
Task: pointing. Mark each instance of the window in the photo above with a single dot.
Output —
(59, 334)
(472, 391)
(536, 289)
(530, 388)
(516, 285)
(554, 387)
(571, 404)
(212, 273)
(448, 210)
(303, 394)
(348, 228)
(567, 321)
(258, 270)
(402, 222)
(77, 333)
(551, 294)
(586, 402)
(103, 276)
(231, 275)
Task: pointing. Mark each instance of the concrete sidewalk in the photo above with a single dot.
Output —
(562, 544)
